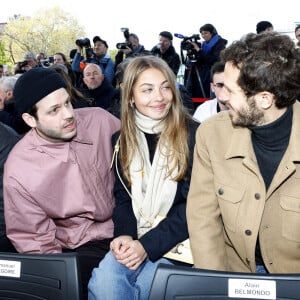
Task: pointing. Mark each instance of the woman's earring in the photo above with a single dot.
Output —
(131, 103)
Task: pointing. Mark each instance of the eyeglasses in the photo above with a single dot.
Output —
(218, 85)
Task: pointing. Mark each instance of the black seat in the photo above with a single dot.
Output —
(176, 282)
(39, 276)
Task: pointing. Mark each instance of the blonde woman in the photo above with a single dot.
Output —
(153, 159)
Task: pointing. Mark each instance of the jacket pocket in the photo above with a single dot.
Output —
(229, 198)
(290, 217)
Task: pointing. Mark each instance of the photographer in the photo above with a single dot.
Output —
(130, 48)
(98, 55)
(166, 51)
(39, 57)
(28, 63)
(197, 75)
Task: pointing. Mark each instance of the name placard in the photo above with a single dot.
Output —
(252, 288)
(10, 268)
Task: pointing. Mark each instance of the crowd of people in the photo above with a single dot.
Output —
(111, 159)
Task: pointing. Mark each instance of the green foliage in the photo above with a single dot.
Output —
(113, 53)
(48, 31)
(3, 59)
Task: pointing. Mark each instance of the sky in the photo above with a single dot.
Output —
(232, 18)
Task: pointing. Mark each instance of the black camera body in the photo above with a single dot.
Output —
(187, 40)
(89, 53)
(47, 61)
(127, 43)
(86, 43)
(123, 45)
(22, 64)
(187, 45)
(83, 43)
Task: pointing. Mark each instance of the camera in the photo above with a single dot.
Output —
(123, 45)
(187, 40)
(86, 43)
(22, 64)
(186, 45)
(127, 43)
(83, 43)
(47, 61)
(125, 31)
(89, 53)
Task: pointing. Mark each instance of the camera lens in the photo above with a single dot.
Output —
(83, 42)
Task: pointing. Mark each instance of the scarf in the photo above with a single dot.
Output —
(206, 46)
(152, 191)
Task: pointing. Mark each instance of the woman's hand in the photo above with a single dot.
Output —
(118, 245)
(128, 252)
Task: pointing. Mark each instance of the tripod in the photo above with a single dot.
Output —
(193, 70)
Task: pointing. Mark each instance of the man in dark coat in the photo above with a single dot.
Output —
(130, 48)
(8, 138)
(166, 51)
(98, 88)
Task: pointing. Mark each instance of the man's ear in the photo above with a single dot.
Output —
(265, 99)
(10, 94)
(29, 120)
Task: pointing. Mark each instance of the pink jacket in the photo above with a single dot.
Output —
(59, 195)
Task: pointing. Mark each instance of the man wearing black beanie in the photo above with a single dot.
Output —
(264, 26)
(42, 81)
(57, 179)
(166, 51)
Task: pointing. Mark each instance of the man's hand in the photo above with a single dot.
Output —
(126, 51)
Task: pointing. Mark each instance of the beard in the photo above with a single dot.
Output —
(55, 135)
(248, 116)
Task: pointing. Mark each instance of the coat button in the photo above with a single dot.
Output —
(257, 196)
(248, 232)
(220, 191)
(247, 260)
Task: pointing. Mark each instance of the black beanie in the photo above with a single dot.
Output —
(262, 26)
(167, 35)
(34, 85)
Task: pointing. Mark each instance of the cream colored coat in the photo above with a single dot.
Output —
(228, 205)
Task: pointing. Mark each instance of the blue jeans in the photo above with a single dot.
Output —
(261, 269)
(114, 281)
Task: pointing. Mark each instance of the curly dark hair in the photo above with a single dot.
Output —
(267, 62)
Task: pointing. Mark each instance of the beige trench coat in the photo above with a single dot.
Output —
(228, 205)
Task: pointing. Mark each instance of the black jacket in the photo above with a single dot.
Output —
(8, 138)
(169, 232)
(171, 57)
(11, 118)
(102, 96)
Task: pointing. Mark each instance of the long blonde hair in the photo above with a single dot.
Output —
(175, 130)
